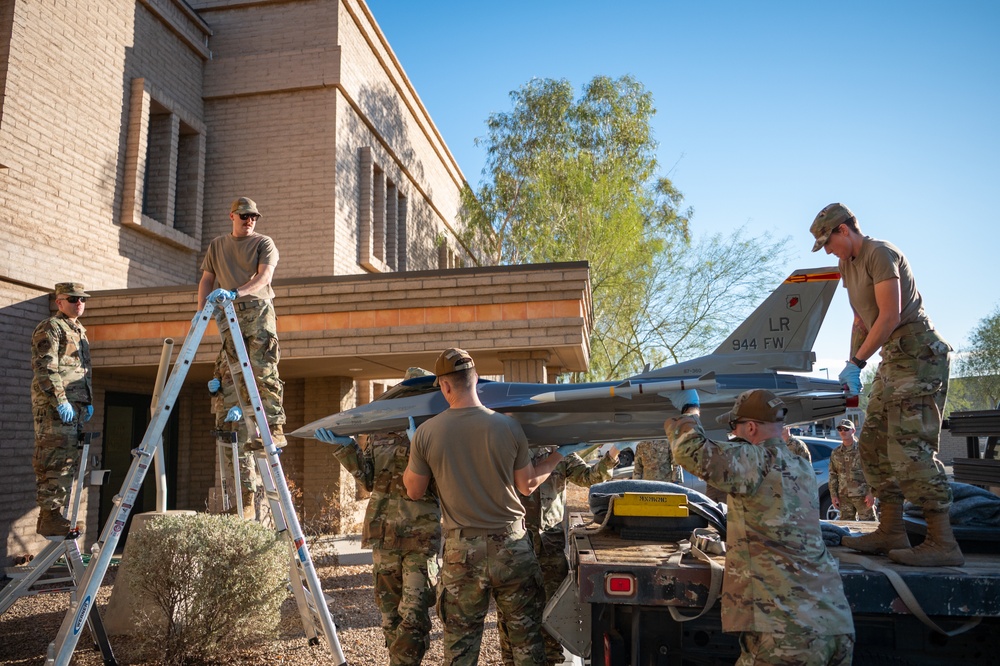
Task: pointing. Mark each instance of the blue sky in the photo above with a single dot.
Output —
(767, 111)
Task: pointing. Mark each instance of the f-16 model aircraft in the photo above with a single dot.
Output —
(776, 339)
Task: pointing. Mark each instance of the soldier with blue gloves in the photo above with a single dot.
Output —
(242, 263)
(899, 439)
(404, 535)
(62, 401)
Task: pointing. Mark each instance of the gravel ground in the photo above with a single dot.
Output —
(27, 628)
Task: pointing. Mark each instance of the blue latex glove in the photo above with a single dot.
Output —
(411, 432)
(88, 413)
(329, 437)
(220, 296)
(681, 399)
(234, 414)
(66, 412)
(214, 385)
(850, 379)
(567, 449)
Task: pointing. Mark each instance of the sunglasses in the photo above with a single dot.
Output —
(249, 216)
(733, 424)
(842, 429)
(76, 299)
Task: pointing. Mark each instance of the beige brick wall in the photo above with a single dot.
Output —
(20, 311)
(63, 129)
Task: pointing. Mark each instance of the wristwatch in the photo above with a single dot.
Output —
(858, 362)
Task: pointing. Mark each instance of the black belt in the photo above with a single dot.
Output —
(470, 532)
(246, 305)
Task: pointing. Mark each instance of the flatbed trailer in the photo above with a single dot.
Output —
(630, 623)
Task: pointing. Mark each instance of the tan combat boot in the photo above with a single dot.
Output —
(51, 523)
(249, 510)
(938, 549)
(890, 534)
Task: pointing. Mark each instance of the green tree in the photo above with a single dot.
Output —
(577, 179)
(980, 364)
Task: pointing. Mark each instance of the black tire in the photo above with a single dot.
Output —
(625, 458)
(826, 509)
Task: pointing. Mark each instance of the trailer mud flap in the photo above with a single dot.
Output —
(568, 619)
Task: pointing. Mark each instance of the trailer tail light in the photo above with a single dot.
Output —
(619, 585)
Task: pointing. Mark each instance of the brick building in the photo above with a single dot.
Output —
(126, 129)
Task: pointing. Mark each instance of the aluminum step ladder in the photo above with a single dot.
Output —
(61, 650)
(43, 575)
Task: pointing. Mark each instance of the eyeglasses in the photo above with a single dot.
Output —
(842, 429)
(249, 216)
(76, 299)
(733, 424)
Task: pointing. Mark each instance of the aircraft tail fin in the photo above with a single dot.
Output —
(780, 333)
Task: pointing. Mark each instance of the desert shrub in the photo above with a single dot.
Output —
(212, 582)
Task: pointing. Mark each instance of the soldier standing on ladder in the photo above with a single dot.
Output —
(61, 401)
(243, 264)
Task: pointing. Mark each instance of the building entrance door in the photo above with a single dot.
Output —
(126, 416)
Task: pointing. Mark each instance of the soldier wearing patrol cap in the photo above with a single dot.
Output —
(480, 462)
(781, 587)
(899, 438)
(404, 535)
(242, 263)
(62, 401)
(849, 490)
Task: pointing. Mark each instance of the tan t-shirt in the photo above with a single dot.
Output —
(876, 262)
(234, 261)
(472, 453)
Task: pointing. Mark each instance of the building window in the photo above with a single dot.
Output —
(447, 258)
(164, 169)
(382, 219)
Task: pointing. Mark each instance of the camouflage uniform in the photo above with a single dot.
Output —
(781, 586)
(222, 401)
(899, 438)
(655, 462)
(60, 360)
(405, 538)
(259, 327)
(233, 262)
(798, 447)
(848, 485)
(544, 512)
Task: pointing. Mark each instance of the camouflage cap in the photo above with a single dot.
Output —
(452, 360)
(756, 405)
(244, 205)
(417, 372)
(70, 289)
(826, 221)
(846, 423)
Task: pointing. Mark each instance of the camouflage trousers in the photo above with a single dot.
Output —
(56, 456)
(503, 565)
(854, 508)
(900, 436)
(404, 593)
(259, 327)
(550, 549)
(804, 649)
